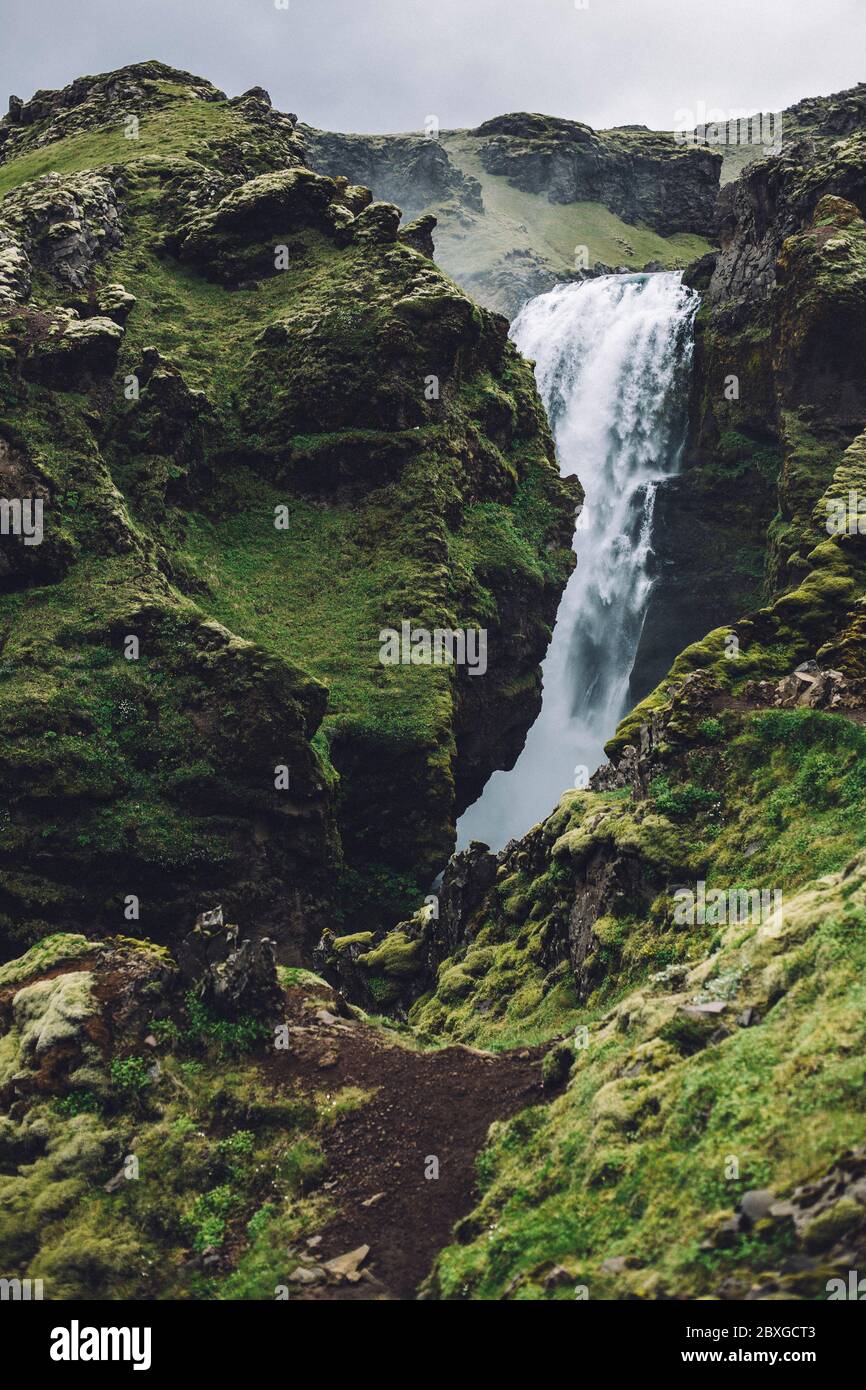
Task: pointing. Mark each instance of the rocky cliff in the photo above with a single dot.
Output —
(777, 390)
(262, 427)
(641, 175)
(660, 986)
(524, 201)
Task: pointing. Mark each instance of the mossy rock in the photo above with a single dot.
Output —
(834, 1224)
(397, 956)
(46, 955)
(556, 1065)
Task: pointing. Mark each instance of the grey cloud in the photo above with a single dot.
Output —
(384, 65)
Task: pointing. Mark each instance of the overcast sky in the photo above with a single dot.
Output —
(385, 65)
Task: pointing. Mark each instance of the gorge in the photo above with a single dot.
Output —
(268, 991)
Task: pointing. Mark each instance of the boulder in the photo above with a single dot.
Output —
(75, 353)
(378, 222)
(419, 235)
(233, 980)
(64, 223)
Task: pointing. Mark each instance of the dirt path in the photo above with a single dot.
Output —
(427, 1105)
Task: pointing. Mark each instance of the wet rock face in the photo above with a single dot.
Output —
(695, 587)
(772, 200)
(819, 334)
(778, 385)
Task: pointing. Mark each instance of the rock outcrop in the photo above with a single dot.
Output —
(413, 171)
(778, 388)
(232, 977)
(261, 427)
(641, 175)
(393, 968)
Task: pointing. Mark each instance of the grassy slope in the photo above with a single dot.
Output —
(167, 132)
(632, 1160)
(317, 594)
(515, 220)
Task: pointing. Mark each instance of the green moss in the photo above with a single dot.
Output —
(781, 1096)
(48, 953)
(164, 134)
(397, 956)
(221, 1160)
(833, 1224)
(445, 513)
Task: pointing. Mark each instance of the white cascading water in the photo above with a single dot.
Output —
(611, 361)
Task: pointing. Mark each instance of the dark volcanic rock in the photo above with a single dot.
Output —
(419, 234)
(773, 199)
(245, 983)
(397, 966)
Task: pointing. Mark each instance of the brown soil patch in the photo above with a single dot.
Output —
(426, 1104)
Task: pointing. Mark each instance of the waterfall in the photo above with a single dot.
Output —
(611, 361)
